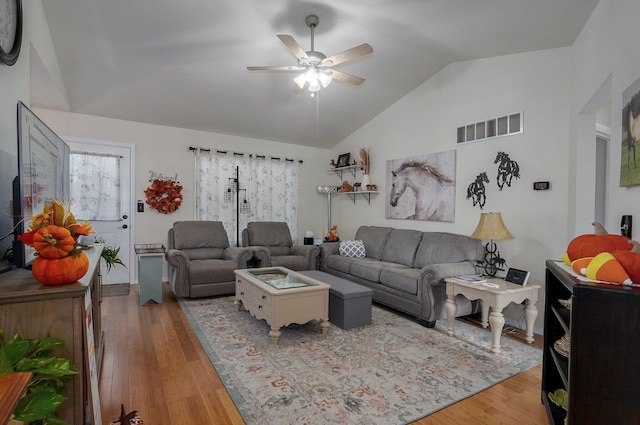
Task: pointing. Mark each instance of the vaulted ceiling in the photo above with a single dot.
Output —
(183, 63)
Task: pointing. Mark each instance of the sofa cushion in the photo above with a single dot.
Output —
(401, 246)
(204, 253)
(276, 251)
(211, 271)
(352, 249)
(199, 234)
(374, 239)
(402, 279)
(343, 264)
(440, 247)
(269, 233)
(370, 270)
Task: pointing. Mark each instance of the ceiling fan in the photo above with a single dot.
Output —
(316, 69)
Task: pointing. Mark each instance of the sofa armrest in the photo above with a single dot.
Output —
(178, 268)
(432, 276)
(311, 252)
(238, 254)
(327, 249)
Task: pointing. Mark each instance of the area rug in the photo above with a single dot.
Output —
(393, 371)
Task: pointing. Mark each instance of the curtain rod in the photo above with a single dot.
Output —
(277, 158)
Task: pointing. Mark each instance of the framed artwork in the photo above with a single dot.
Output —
(629, 163)
(422, 187)
(343, 160)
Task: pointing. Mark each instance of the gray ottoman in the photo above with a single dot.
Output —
(349, 303)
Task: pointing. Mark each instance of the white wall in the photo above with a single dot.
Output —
(166, 150)
(425, 122)
(14, 87)
(605, 63)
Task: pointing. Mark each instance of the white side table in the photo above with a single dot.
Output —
(497, 298)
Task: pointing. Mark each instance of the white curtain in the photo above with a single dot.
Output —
(95, 186)
(268, 184)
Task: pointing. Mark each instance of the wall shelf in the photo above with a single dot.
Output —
(364, 193)
(340, 170)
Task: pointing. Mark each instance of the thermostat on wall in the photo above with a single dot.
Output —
(541, 186)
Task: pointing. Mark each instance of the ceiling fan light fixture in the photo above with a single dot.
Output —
(325, 78)
(301, 80)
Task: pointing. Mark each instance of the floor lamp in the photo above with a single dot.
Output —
(233, 191)
(491, 227)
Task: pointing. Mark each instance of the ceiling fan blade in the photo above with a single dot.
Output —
(346, 78)
(347, 55)
(275, 68)
(293, 46)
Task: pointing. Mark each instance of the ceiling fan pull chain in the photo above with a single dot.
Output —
(318, 116)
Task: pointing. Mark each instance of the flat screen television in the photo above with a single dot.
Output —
(43, 175)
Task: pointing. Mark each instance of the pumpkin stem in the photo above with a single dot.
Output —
(50, 239)
(599, 229)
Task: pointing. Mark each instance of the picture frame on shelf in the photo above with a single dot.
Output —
(343, 160)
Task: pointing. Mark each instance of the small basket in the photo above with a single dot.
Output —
(149, 248)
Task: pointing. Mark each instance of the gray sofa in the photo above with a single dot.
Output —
(406, 268)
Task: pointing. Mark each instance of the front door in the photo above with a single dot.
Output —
(114, 228)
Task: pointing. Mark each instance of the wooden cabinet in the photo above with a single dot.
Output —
(34, 310)
(602, 371)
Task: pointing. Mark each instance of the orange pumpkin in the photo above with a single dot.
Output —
(591, 245)
(53, 242)
(61, 270)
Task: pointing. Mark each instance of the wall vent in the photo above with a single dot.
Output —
(505, 125)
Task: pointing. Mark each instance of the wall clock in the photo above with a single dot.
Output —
(10, 30)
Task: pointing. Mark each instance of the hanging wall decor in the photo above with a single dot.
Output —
(422, 187)
(477, 191)
(629, 171)
(507, 170)
(165, 196)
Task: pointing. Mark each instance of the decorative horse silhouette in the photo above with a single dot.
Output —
(428, 184)
(507, 170)
(476, 190)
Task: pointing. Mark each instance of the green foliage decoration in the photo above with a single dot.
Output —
(49, 375)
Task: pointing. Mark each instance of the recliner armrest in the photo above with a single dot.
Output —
(262, 255)
(178, 264)
(238, 254)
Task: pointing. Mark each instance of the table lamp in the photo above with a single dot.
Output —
(491, 227)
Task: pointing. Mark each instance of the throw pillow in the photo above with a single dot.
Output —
(353, 249)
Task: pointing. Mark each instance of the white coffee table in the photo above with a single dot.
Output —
(497, 297)
(281, 297)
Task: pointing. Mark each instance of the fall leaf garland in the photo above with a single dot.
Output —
(164, 196)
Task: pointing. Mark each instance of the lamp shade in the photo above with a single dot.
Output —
(491, 227)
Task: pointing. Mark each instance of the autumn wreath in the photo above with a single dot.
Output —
(164, 195)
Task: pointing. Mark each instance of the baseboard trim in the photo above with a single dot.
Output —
(115, 290)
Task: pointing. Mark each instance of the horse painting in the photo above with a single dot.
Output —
(629, 169)
(432, 189)
(476, 190)
(507, 170)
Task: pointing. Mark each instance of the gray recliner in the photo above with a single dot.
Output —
(200, 261)
(272, 246)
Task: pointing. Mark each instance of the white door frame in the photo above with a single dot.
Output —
(132, 189)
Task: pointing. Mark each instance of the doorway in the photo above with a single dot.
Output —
(109, 212)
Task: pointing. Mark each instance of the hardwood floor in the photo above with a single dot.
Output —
(153, 363)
